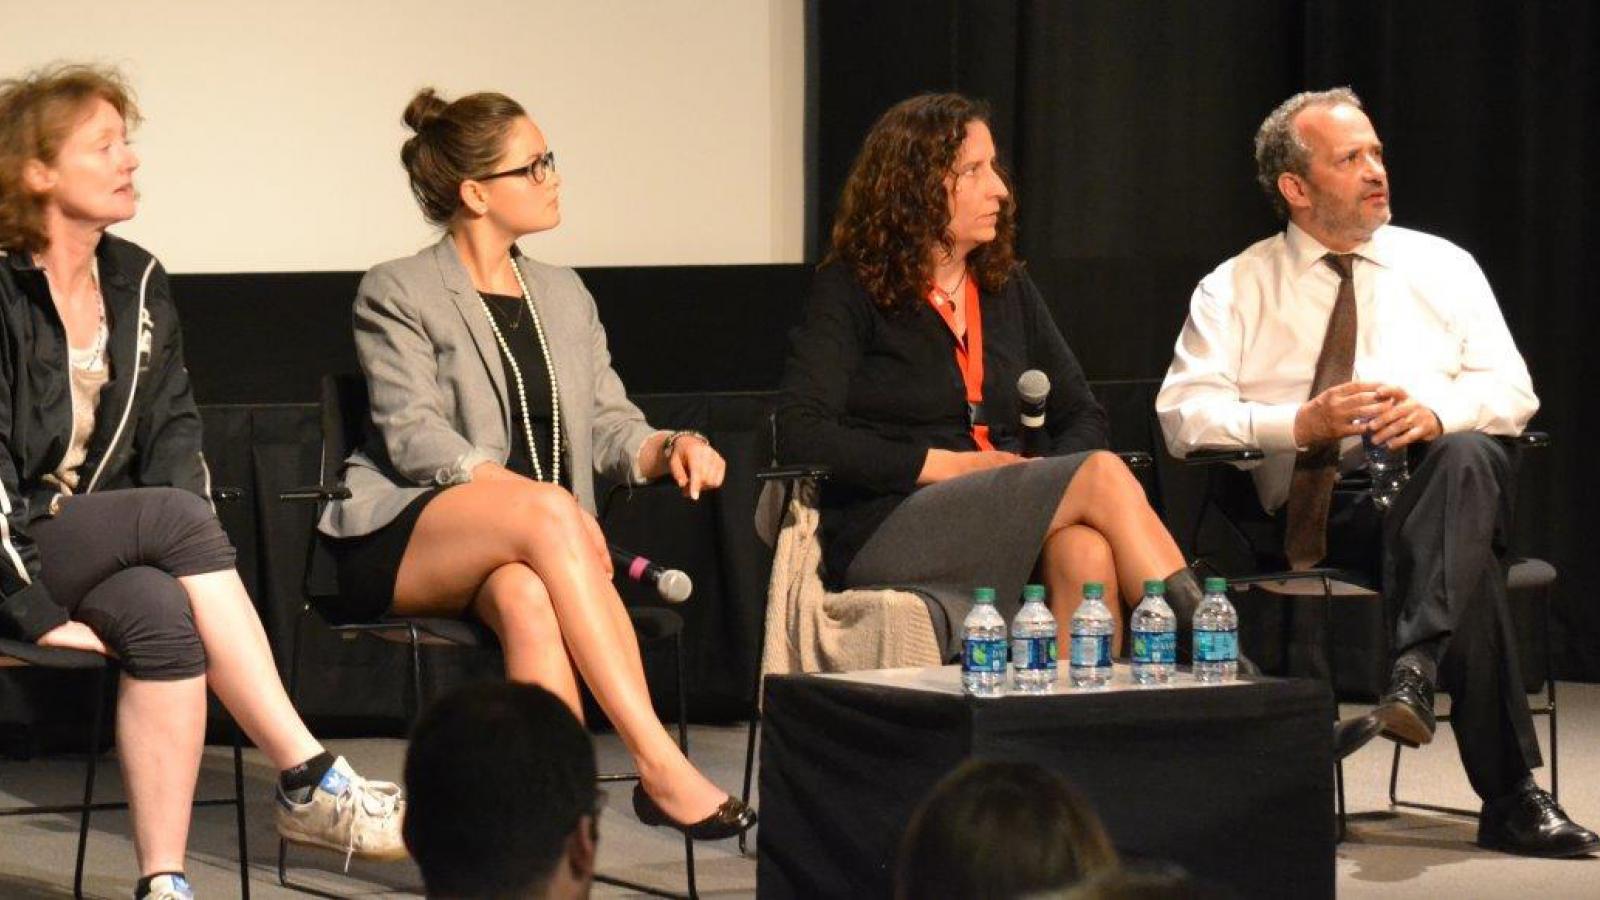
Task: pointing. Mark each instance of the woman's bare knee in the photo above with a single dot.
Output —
(541, 517)
(514, 602)
(1079, 548)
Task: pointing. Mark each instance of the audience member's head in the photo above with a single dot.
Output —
(1143, 882)
(500, 782)
(1001, 830)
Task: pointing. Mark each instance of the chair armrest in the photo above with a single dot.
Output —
(1210, 457)
(317, 493)
(799, 470)
(1531, 439)
(1135, 459)
(1297, 575)
(225, 494)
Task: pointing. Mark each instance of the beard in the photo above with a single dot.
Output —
(1351, 221)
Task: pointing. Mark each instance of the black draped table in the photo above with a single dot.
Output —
(1234, 782)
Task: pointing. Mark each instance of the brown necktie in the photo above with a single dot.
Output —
(1316, 468)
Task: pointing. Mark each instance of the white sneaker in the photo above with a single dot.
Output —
(349, 813)
(170, 887)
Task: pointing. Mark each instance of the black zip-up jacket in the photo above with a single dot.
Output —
(146, 430)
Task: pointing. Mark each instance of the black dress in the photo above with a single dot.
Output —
(869, 392)
(368, 564)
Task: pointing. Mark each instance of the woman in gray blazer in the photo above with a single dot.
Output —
(493, 404)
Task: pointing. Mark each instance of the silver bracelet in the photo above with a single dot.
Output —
(672, 441)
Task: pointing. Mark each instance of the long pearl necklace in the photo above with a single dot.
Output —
(522, 393)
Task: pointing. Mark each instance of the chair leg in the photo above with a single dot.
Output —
(1550, 698)
(750, 755)
(1394, 777)
(416, 672)
(238, 806)
(1338, 782)
(1555, 758)
(1333, 687)
(683, 744)
(97, 722)
(294, 700)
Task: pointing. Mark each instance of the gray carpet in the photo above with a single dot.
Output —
(1390, 853)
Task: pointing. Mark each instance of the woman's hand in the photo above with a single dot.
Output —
(597, 539)
(492, 471)
(694, 464)
(74, 636)
(942, 465)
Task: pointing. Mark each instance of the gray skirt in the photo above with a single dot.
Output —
(980, 530)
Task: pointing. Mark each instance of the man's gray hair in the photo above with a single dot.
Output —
(1278, 145)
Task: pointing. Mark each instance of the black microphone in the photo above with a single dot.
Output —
(673, 586)
(1033, 388)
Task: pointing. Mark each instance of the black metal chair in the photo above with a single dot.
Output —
(345, 421)
(18, 654)
(1231, 497)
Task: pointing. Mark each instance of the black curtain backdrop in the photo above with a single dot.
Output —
(1127, 127)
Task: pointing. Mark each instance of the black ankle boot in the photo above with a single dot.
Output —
(1184, 593)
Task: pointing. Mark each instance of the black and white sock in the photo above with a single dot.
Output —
(142, 888)
(298, 782)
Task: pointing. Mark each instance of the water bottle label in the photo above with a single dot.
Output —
(1155, 647)
(1216, 646)
(1091, 651)
(1035, 653)
(983, 655)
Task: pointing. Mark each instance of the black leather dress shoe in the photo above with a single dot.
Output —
(731, 819)
(1406, 710)
(1353, 734)
(1531, 823)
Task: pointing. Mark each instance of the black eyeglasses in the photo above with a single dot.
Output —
(537, 170)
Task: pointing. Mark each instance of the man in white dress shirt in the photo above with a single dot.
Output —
(1344, 324)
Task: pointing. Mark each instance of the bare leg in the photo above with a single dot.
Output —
(1105, 496)
(514, 603)
(472, 530)
(1073, 555)
(240, 669)
(160, 734)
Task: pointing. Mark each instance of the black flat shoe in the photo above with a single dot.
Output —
(1406, 710)
(732, 818)
(1353, 734)
(1531, 823)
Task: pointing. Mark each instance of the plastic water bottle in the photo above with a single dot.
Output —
(1388, 470)
(983, 647)
(1155, 636)
(1033, 644)
(1216, 635)
(1092, 626)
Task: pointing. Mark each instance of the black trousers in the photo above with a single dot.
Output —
(1439, 558)
(112, 560)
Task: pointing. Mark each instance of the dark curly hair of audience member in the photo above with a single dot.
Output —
(895, 207)
(1000, 830)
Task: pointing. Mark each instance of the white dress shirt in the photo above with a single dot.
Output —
(1426, 321)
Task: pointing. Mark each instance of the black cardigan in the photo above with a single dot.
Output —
(146, 430)
(868, 393)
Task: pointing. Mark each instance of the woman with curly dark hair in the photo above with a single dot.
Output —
(903, 379)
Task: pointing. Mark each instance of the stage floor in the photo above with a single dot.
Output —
(1388, 854)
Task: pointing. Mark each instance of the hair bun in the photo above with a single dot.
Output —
(425, 107)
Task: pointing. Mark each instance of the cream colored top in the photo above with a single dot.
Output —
(90, 369)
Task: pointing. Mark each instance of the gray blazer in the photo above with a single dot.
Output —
(438, 388)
